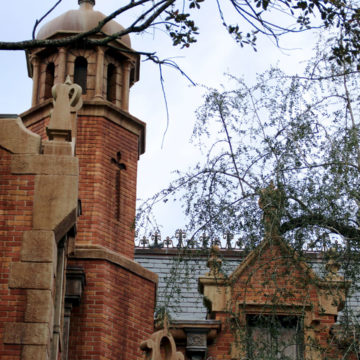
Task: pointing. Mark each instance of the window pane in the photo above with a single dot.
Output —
(274, 337)
(80, 73)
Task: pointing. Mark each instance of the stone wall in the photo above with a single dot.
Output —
(116, 309)
(38, 201)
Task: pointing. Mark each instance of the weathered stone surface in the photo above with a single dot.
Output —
(45, 164)
(29, 275)
(67, 98)
(55, 198)
(26, 333)
(99, 252)
(57, 148)
(158, 342)
(16, 138)
(216, 292)
(38, 246)
(39, 306)
(34, 352)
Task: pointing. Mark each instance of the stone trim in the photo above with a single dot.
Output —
(16, 138)
(39, 306)
(26, 333)
(38, 246)
(45, 165)
(101, 253)
(66, 225)
(54, 213)
(178, 328)
(55, 199)
(31, 352)
(28, 275)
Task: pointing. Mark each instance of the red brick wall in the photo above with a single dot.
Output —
(117, 307)
(16, 200)
(98, 141)
(273, 278)
(39, 128)
(115, 315)
(274, 283)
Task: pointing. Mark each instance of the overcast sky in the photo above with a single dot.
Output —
(205, 62)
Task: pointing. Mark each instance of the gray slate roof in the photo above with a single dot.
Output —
(178, 280)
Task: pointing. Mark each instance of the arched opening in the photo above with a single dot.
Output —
(111, 83)
(165, 349)
(80, 72)
(49, 79)
(132, 77)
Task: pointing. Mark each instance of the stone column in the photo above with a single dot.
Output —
(61, 66)
(99, 84)
(125, 86)
(35, 92)
(118, 99)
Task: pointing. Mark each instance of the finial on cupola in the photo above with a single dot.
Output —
(91, 2)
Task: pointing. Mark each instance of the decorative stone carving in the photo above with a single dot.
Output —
(196, 343)
(67, 99)
(333, 266)
(272, 203)
(196, 340)
(159, 344)
(214, 263)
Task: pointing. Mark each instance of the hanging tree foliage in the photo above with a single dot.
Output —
(300, 132)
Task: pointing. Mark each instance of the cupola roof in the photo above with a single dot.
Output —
(80, 20)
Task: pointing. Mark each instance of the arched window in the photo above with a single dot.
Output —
(49, 79)
(111, 83)
(80, 72)
(132, 77)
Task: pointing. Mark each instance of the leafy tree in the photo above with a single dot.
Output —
(252, 18)
(300, 132)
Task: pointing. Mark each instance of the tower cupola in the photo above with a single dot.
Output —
(105, 72)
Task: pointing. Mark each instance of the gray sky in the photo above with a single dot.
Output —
(205, 62)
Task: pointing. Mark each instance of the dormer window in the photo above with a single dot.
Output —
(275, 337)
(80, 72)
(49, 80)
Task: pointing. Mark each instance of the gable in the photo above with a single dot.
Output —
(272, 274)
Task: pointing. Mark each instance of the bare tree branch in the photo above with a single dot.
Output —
(157, 9)
(37, 22)
(321, 221)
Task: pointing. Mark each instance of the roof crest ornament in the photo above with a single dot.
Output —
(272, 202)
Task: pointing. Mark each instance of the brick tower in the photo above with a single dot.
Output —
(101, 302)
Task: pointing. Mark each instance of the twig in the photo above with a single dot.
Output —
(37, 22)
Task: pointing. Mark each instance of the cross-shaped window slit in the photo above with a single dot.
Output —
(120, 166)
